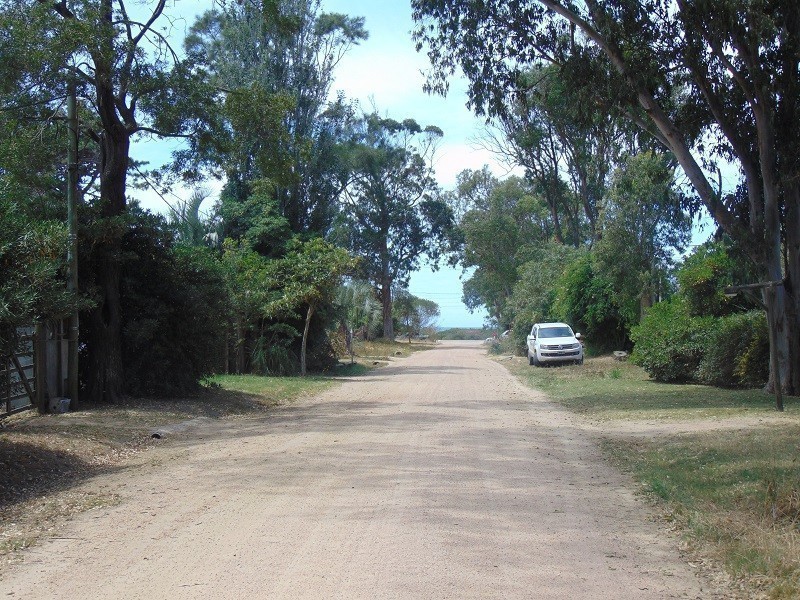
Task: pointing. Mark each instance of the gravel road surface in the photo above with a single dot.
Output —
(438, 476)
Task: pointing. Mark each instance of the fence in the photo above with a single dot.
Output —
(18, 376)
(38, 362)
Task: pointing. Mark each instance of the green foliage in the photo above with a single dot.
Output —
(567, 140)
(273, 68)
(392, 217)
(309, 275)
(249, 284)
(31, 159)
(175, 311)
(697, 336)
(534, 293)
(643, 225)
(668, 343)
(415, 315)
(502, 228)
(32, 281)
(271, 296)
(258, 142)
(128, 83)
(187, 222)
(736, 352)
(703, 277)
(586, 300)
(250, 214)
(359, 311)
(272, 353)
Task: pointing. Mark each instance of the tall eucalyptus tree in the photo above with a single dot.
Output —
(392, 216)
(568, 143)
(273, 64)
(130, 82)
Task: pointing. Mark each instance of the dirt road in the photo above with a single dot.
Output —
(436, 477)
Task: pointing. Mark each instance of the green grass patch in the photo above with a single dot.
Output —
(355, 369)
(272, 390)
(269, 390)
(735, 493)
(605, 389)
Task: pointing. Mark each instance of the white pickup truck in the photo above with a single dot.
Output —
(554, 342)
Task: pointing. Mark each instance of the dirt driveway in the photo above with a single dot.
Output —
(436, 477)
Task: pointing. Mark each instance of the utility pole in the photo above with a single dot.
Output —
(72, 248)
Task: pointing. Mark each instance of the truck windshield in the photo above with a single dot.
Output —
(554, 332)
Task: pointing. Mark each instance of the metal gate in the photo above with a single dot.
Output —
(18, 376)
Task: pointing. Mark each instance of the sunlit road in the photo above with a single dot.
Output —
(436, 477)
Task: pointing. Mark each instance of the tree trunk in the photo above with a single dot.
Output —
(348, 340)
(105, 375)
(241, 349)
(386, 302)
(309, 314)
(104, 358)
(791, 380)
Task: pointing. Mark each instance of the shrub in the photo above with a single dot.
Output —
(669, 344)
(585, 300)
(272, 354)
(705, 273)
(174, 311)
(752, 368)
(737, 352)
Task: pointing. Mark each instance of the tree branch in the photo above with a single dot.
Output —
(60, 7)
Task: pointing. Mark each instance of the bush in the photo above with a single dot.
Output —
(736, 352)
(669, 344)
(174, 311)
(32, 281)
(705, 273)
(585, 300)
(272, 354)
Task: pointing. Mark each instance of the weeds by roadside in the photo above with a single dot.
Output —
(734, 493)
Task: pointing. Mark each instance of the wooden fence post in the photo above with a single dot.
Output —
(40, 366)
